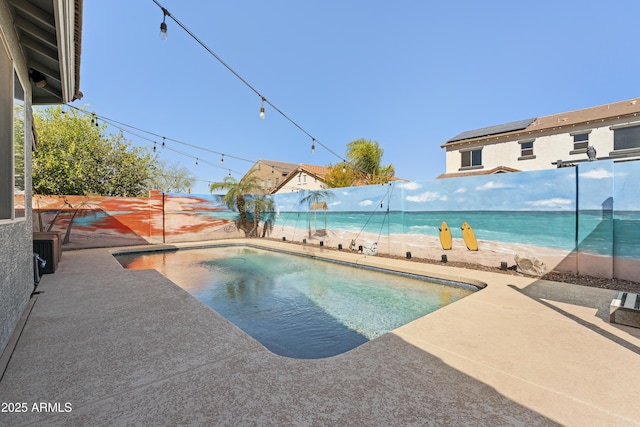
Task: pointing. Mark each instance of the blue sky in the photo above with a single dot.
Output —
(408, 74)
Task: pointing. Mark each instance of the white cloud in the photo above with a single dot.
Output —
(345, 193)
(366, 203)
(411, 185)
(597, 174)
(335, 203)
(492, 185)
(427, 196)
(551, 203)
(461, 190)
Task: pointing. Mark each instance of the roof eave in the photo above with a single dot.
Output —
(68, 15)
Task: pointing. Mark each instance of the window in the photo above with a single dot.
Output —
(12, 141)
(277, 181)
(269, 183)
(526, 149)
(471, 158)
(626, 138)
(580, 141)
(18, 149)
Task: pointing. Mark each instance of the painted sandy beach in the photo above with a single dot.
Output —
(424, 246)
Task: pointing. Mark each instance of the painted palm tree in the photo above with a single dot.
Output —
(261, 204)
(235, 198)
(316, 199)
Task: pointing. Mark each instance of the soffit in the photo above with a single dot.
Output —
(39, 32)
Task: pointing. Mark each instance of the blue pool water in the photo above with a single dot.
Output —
(297, 306)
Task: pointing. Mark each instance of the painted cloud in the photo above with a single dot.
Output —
(597, 174)
(427, 196)
(411, 186)
(492, 185)
(551, 203)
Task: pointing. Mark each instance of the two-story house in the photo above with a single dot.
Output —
(612, 130)
(282, 177)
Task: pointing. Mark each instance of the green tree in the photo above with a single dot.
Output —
(235, 196)
(75, 156)
(366, 158)
(315, 197)
(340, 175)
(171, 178)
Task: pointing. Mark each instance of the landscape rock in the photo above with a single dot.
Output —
(530, 265)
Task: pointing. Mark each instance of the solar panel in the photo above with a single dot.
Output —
(493, 130)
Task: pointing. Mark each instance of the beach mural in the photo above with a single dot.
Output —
(583, 218)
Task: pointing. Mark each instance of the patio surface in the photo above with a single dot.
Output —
(124, 347)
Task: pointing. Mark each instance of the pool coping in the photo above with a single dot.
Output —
(312, 251)
(126, 347)
(400, 267)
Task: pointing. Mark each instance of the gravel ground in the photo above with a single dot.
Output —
(582, 280)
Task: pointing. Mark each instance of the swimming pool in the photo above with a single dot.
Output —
(298, 306)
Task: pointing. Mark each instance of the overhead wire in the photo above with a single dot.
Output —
(235, 73)
(118, 124)
(126, 128)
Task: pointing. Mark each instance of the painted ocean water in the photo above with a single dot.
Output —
(555, 230)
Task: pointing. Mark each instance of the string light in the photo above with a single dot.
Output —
(222, 160)
(264, 100)
(313, 145)
(163, 25)
(123, 127)
(127, 129)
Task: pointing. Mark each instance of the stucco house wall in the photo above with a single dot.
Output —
(552, 138)
(16, 256)
(40, 43)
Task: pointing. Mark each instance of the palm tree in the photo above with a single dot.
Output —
(259, 204)
(314, 197)
(366, 157)
(235, 196)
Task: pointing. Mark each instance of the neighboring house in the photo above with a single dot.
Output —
(304, 177)
(613, 130)
(270, 173)
(278, 177)
(40, 44)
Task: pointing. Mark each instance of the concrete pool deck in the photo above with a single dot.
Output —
(117, 347)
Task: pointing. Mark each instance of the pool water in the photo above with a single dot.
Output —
(298, 306)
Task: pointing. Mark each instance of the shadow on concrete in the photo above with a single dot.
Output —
(598, 299)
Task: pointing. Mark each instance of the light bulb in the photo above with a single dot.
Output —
(163, 31)
(262, 112)
(163, 25)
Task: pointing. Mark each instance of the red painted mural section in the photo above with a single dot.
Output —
(96, 221)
